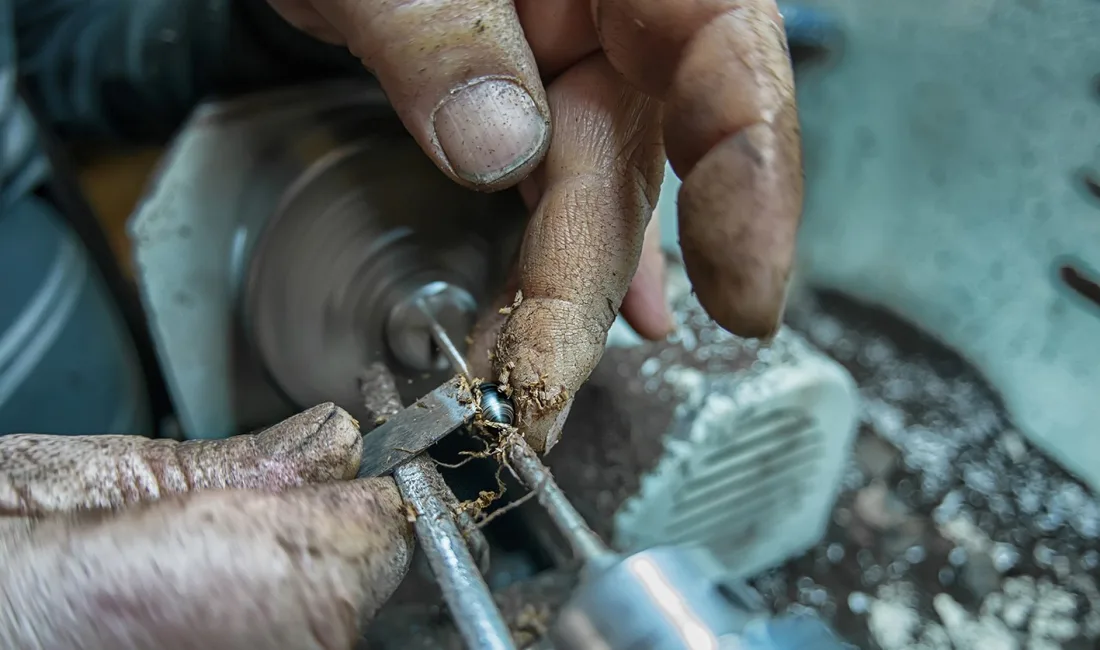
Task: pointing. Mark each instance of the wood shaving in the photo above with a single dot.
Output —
(516, 302)
(505, 376)
(506, 508)
(538, 398)
(531, 624)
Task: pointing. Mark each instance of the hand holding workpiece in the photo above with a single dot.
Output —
(579, 101)
(258, 541)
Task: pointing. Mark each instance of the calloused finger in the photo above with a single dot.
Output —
(458, 72)
(597, 190)
(41, 475)
(219, 570)
(731, 130)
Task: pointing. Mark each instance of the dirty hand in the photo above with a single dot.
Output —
(708, 81)
(113, 542)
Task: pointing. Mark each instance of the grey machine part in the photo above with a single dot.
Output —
(666, 598)
(453, 564)
(279, 235)
(407, 433)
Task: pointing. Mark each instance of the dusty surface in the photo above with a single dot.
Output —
(952, 530)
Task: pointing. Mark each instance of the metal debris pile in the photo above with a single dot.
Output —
(952, 530)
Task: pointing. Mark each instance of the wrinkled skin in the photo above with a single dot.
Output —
(260, 541)
(579, 101)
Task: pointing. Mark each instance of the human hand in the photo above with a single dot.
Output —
(257, 541)
(708, 81)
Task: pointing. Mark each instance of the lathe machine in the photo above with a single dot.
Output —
(293, 241)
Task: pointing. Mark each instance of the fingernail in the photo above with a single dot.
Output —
(489, 129)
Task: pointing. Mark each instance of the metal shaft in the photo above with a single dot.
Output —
(586, 545)
(464, 590)
(443, 340)
(475, 614)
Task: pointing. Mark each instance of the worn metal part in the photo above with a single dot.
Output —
(471, 531)
(410, 328)
(382, 401)
(464, 590)
(411, 431)
(495, 406)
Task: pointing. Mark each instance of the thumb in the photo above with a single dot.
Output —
(43, 475)
(458, 72)
(229, 569)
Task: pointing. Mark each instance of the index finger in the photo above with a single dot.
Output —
(731, 134)
(597, 189)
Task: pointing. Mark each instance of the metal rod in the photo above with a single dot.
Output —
(475, 614)
(443, 340)
(474, 536)
(464, 590)
(586, 544)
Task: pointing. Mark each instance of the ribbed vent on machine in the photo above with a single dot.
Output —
(733, 490)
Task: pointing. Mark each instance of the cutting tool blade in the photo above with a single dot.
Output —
(416, 428)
